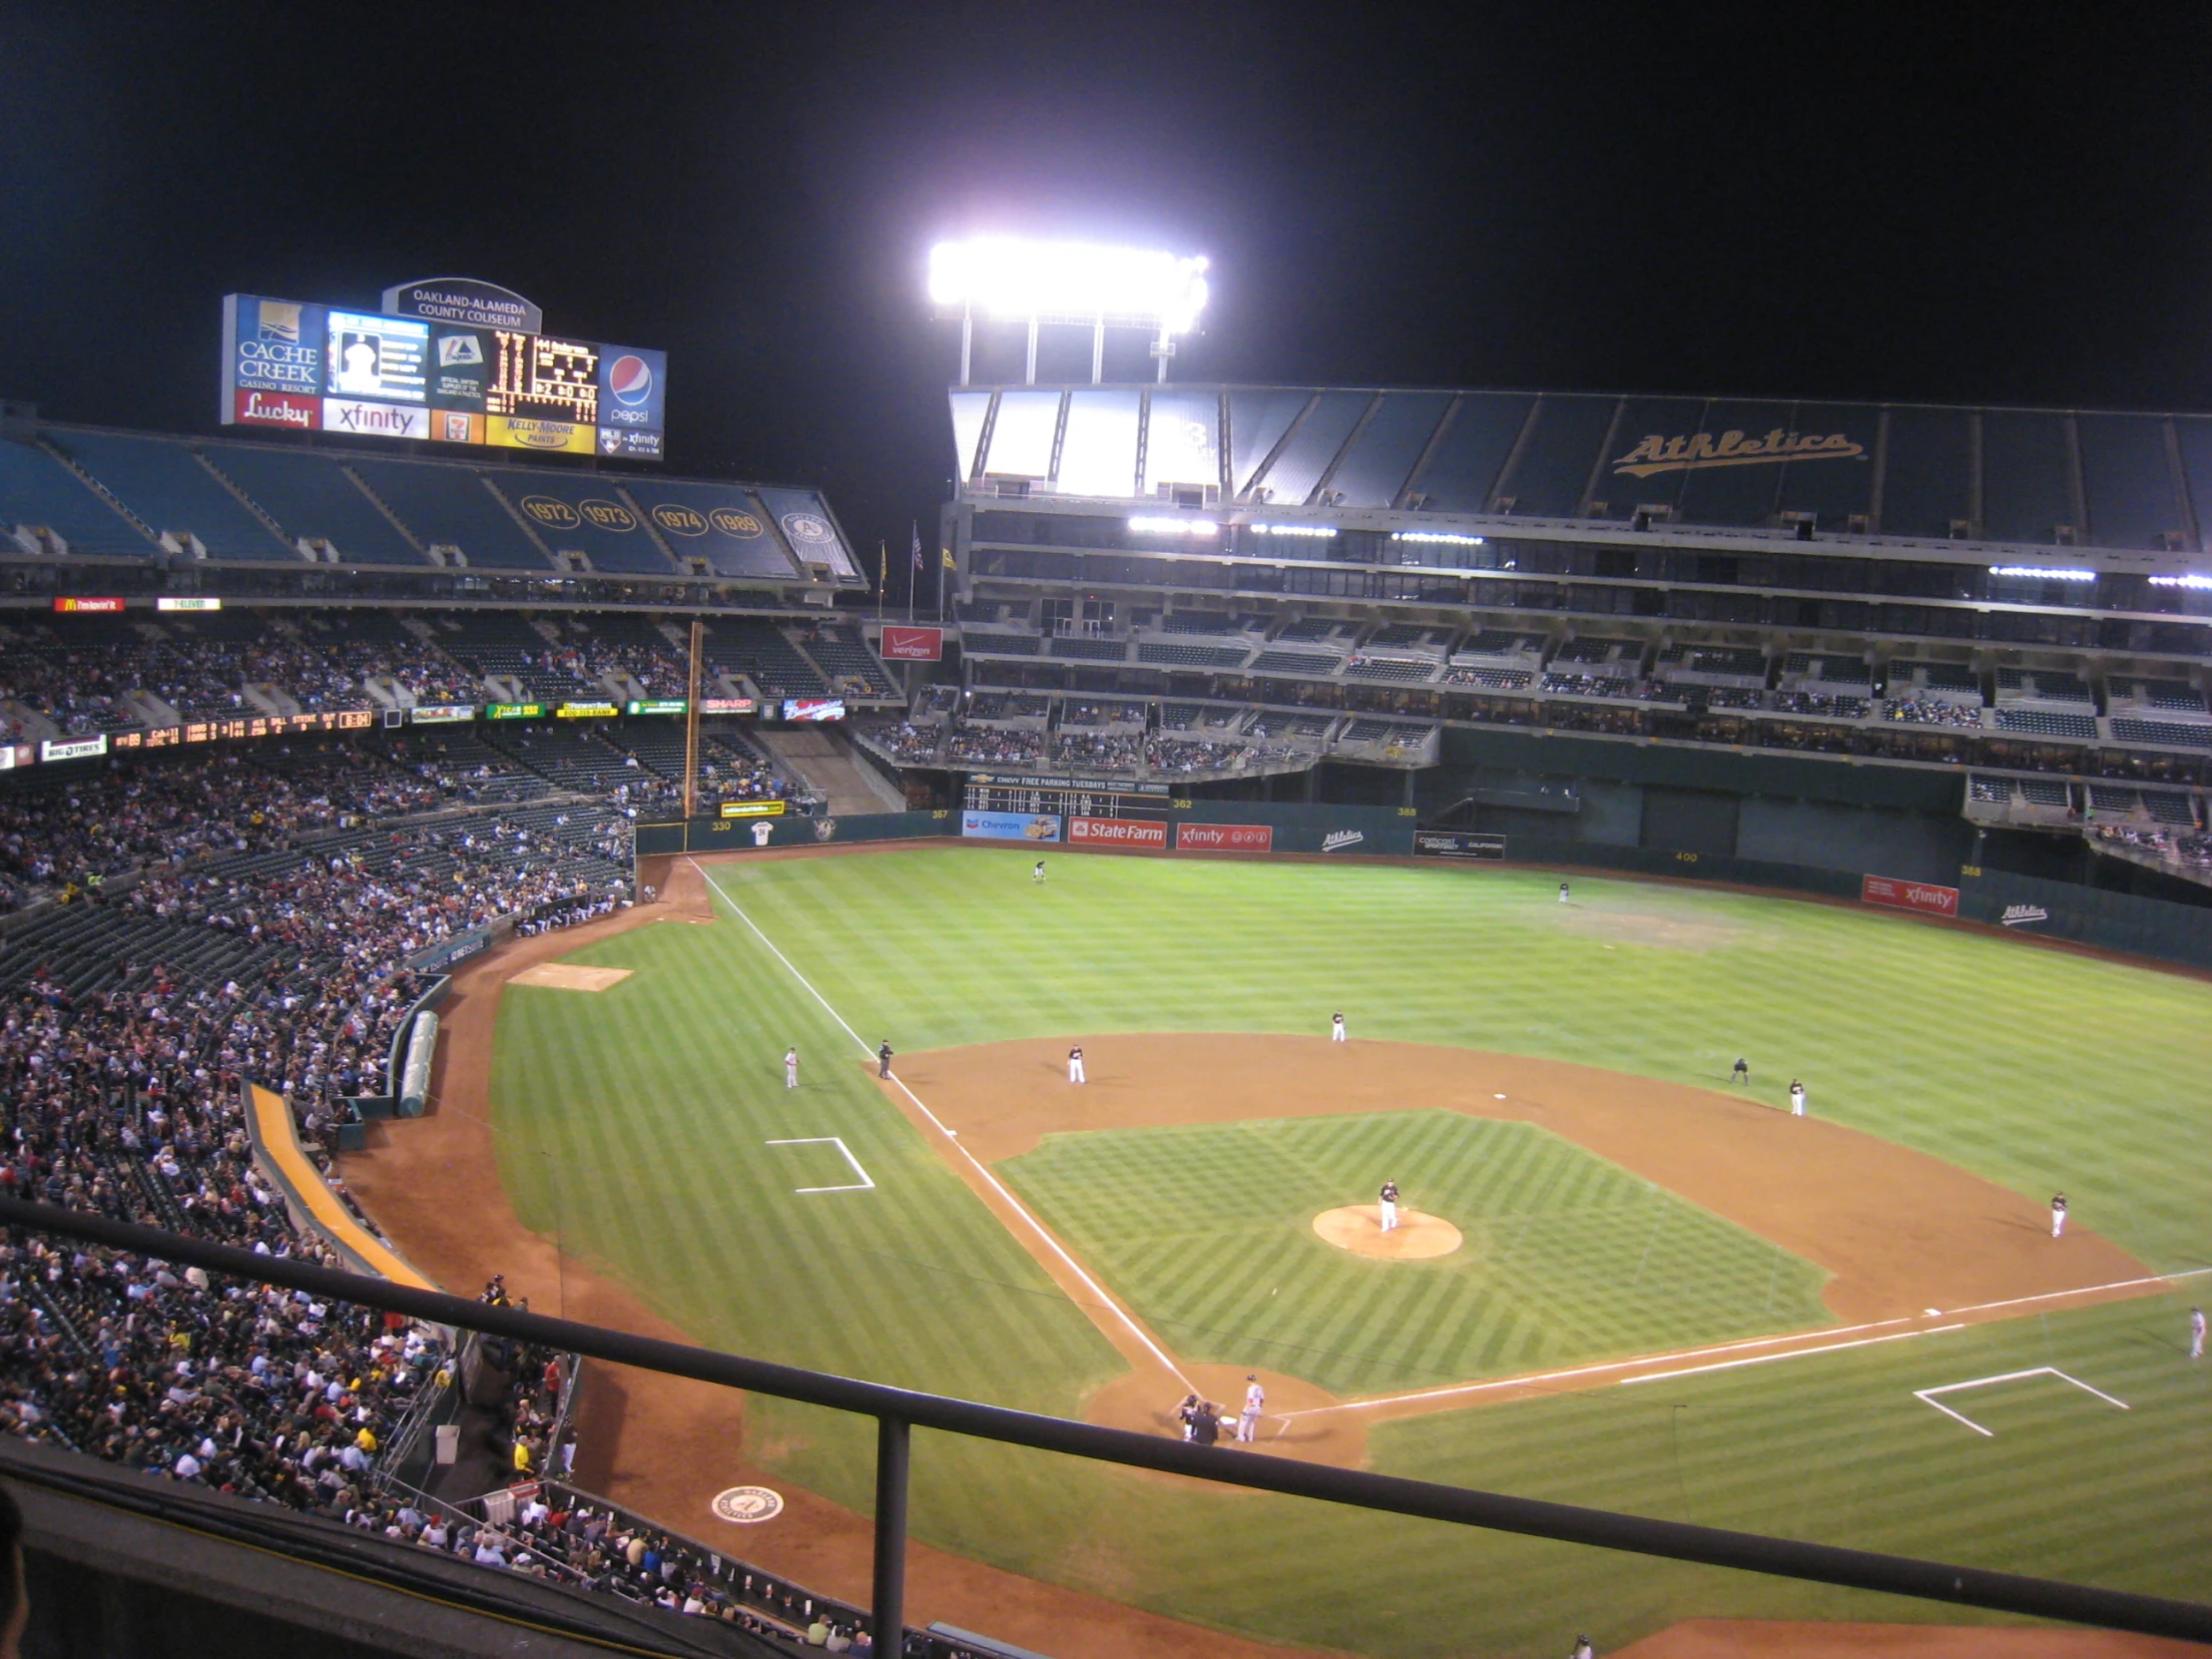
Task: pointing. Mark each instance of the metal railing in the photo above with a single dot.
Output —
(897, 1412)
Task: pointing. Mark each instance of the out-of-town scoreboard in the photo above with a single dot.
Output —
(447, 360)
(1003, 792)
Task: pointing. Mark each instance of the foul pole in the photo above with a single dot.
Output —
(691, 728)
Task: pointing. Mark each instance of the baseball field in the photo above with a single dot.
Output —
(1666, 1295)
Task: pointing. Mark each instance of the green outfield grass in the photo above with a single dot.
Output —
(1566, 1258)
(633, 1123)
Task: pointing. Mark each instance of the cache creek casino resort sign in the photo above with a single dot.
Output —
(448, 360)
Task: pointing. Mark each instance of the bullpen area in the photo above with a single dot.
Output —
(1624, 1274)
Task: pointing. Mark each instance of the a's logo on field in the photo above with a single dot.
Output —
(807, 527)
(679, 521)
(548, 511)
(610, 515)
(1337, 839)
(747, 1505)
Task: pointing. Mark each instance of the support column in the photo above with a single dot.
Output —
(889, 1602)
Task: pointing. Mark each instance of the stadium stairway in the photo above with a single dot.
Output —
(823, 756)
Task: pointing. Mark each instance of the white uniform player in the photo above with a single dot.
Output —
(1563, 892)
(2057, 1213)
(2196, 1333)
(1037, 875)
(1075, 1065)
(1337, 1029)
(1256, 1402)
(1387, 1204)
(1797, 1100)
(791, 1068)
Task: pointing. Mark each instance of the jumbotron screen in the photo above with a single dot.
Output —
(324, 369)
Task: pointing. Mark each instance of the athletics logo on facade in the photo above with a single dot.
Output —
(1697, 451)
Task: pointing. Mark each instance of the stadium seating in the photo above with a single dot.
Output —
(446, 503)
(162, 481)
(760, 651)
(35, 490)
(590, 516)
(314, 498)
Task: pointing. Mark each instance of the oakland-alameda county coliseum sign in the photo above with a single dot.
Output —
(1699, 450)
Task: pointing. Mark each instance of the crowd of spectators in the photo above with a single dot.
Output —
(2188, 851)
(1930, 711)
(1821, 703)
(1194, 754)
(1091, 749)
(909, 744)
(994, 746)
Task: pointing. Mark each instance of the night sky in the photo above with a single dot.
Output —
(1948, 202)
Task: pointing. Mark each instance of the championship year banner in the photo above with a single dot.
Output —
(1118, 832)
(1011, 827)
(1923, 897)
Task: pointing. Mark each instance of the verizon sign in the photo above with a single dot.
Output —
(1909, 895)
(1224, 837)
(912, 645)
(1118, 832)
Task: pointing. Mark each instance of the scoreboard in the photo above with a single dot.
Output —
(447, 372)
(1068, 796)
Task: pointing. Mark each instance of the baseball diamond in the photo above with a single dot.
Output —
(1672, 1296)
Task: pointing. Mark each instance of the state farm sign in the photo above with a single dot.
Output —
(1224, 837)
(1118, 832)
(1909, 895)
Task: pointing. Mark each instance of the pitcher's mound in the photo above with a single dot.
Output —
(1416, 1238)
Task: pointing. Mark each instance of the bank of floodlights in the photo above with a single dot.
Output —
(1078, 283)
(2038, 572)
(2190, 581)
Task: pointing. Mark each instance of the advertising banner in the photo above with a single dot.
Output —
(187, 602)
(1011, 827)
(383, 420)
(1459, 844)
(1225, 837)
(74, 606)
(272, 346)
(751, 809)
(1909, 895)
(513, 710)
(456, 426)
(1118, 832)
(586, 710)
(654, 706)
(633, 382)
(727, 704)
(814, 708)
(442, 714)
(251, 407)
(459, 366)
(630, 440)
(522, 432)
(913, 645)
(73, 748)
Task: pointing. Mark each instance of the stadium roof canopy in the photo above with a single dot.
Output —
(1552, 463)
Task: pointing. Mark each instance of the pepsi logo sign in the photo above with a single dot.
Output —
(630, 379)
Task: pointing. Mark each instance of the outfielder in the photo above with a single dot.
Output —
(1037, 875)
(1336, 1033)
(2057, 1213)
(790, 1067)
(1796, 1099)
(2196, 1333)
(1075, 1066)
(1563, 892)
(1256, 1402)
(1387, 1206)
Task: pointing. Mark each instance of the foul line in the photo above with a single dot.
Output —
(1035, 1226)
(1927, 1395)
(863, 1184)
(1792, 1354)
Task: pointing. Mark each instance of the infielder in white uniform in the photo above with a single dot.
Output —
(1075, 1065)
(2196, 1333)
(1337, 1029)
(1796, 1099)
(1256, 1402)
(2057, 1213)
(791, 1068)
(1387, 1206)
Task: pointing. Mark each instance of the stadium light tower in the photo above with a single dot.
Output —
(1084, 284)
